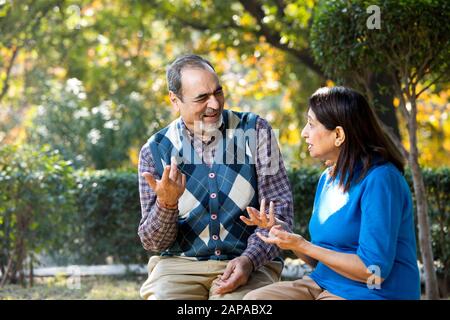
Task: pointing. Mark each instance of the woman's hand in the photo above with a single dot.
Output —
(260, 218)
(284, 240)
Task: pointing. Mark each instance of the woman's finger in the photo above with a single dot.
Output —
(266, 239)
(278, 232)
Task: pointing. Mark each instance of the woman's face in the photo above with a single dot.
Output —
(320, 140)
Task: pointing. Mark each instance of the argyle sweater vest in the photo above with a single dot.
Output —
(208, 224)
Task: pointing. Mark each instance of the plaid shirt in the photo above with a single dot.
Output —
(158, 226)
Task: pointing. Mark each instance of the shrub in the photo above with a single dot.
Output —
(108, 217)
(36, 203)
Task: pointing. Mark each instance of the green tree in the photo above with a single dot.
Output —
(36, 204)
(284, 25)
(413, 48)
(114, 50)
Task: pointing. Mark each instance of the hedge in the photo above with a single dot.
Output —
(108, 214)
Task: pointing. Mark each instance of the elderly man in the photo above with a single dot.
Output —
(197, 178)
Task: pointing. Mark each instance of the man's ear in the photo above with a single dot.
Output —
(340, 136)
(174, 100)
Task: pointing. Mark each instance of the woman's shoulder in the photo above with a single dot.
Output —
(384, 168)
(385, 173)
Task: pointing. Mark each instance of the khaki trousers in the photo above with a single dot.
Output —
(302, 289)
(175, 278)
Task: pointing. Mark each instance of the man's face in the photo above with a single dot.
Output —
(202, 100)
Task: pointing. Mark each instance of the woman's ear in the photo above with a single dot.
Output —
(340, 136)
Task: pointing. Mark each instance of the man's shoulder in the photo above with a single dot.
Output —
(261, 122)
(158, 135)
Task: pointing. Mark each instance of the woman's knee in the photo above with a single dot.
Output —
(257, 294)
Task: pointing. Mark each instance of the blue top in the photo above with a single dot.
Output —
(374, 220)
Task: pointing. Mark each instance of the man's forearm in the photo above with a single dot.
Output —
(159, 230)
(260, 252)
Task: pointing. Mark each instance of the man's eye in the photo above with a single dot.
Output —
(219, 92)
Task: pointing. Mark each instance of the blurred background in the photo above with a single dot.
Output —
(82, 87)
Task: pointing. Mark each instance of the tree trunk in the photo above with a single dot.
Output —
(431, 287)
(381, 86)
(31, 274)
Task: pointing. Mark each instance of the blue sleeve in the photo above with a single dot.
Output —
(381, 213)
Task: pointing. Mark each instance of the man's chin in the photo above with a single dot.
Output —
(210, 128)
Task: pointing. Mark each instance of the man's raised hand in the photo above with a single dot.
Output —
(261, 219)
(171, 186)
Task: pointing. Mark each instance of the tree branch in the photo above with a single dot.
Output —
(273, 37)
(429, 85)
(5, 86)
(395, 140)
(399, 91)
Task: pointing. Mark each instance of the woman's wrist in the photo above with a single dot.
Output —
(303, 245)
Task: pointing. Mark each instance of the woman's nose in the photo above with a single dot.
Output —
(304, 133)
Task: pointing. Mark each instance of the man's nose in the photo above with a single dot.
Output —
(213, 103)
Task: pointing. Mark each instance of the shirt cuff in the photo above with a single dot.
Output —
(165, 215)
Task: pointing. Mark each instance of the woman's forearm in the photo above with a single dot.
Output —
(347, 264)
(310, 261)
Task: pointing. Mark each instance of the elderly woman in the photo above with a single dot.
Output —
(363, 242)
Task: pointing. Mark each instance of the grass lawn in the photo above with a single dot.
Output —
(58, 288)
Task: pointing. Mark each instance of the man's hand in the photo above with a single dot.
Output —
(261, 219)
(171, 186)
(235, 275)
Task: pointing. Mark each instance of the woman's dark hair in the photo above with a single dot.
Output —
(364, 137)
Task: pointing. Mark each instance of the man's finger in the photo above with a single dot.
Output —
(180, 179)
(271, 214)
(226, 287)
(227, 273)
(183, 180)
(150, 180)
(262, 214)
(252, 214)
(165, 174)
(229, 284)
(262, 209)
(173, 175)
(247, 221)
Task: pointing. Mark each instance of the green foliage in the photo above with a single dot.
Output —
(303, 182)
(36, 203)
(414, 35)
(109, 212)
(108, 215)
(100, 135)
(437, 183)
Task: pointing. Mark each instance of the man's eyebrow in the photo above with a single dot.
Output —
(204, 95)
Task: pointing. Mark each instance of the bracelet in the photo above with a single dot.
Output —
(166, 206)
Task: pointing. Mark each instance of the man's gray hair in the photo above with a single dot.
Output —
(174, 70)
